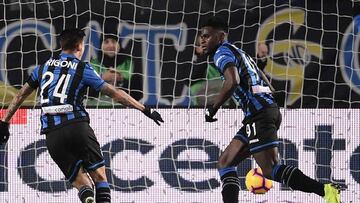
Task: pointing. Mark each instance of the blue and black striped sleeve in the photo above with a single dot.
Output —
(33, 79)
(92, 78)
(224, 58)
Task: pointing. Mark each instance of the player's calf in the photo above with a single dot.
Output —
(233, 154)
(296, 180)
(102, 192)
(101, 185)
(84, 186)
(86, 194)
(230, 184)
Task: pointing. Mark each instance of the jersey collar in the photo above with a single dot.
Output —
(224, 42)
(64, 55)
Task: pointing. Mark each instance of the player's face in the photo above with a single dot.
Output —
(209, 40)
(110, 47)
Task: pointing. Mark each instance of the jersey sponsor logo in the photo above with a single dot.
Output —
(59, 109)
(63, 64)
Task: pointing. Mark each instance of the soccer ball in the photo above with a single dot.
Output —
(256, 182)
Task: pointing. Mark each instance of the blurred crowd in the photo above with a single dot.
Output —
(116, 67)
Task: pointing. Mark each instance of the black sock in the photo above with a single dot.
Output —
(102, 192)
(86, 193)
(230, 185)
(296, 180)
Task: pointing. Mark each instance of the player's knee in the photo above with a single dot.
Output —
(267, 168)
(98, 176)
(81, 180)
(267, 171)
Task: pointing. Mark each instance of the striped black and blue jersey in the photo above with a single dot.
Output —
(250, 93)
(63, 81)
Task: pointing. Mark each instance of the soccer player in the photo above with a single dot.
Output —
(70, 140)
(258, 136)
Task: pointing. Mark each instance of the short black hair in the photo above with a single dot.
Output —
(216, 23)
(70, 38)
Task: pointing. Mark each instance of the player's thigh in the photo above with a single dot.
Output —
(267, 159)
(94, 163)
(66, 147)
(261, 130)
(98, 175)
(235, 152)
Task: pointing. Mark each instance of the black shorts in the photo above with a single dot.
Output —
(72, 146)
(260, 131)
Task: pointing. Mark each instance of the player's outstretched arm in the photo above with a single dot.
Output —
(125, 99)
(232, 79)
(24, 92)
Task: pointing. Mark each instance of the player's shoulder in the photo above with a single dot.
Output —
(223, 49)
(87, 65)
(89, 69)
(223, 52)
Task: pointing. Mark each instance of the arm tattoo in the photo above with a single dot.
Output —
(24, 92)
(117, 95)
(121, 97)
(108, 90)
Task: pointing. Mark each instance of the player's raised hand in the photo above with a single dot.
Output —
(4, 132)
(151, 113)
(209, 114)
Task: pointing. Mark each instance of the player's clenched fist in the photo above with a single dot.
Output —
(151, 113)
(4, 132)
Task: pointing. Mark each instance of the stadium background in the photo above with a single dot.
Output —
(313, 63)
(310, 33)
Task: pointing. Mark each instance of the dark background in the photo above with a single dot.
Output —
(326, 21)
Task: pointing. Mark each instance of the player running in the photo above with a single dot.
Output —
(70, 140)
(258, 136)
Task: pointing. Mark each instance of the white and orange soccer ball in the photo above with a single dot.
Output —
(256, 182)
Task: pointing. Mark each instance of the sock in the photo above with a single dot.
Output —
(86, 193)
(230, 185)
(102, 192)
(296, 180)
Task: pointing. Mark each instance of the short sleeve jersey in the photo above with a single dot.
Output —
(64, 80)
(247, 69)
